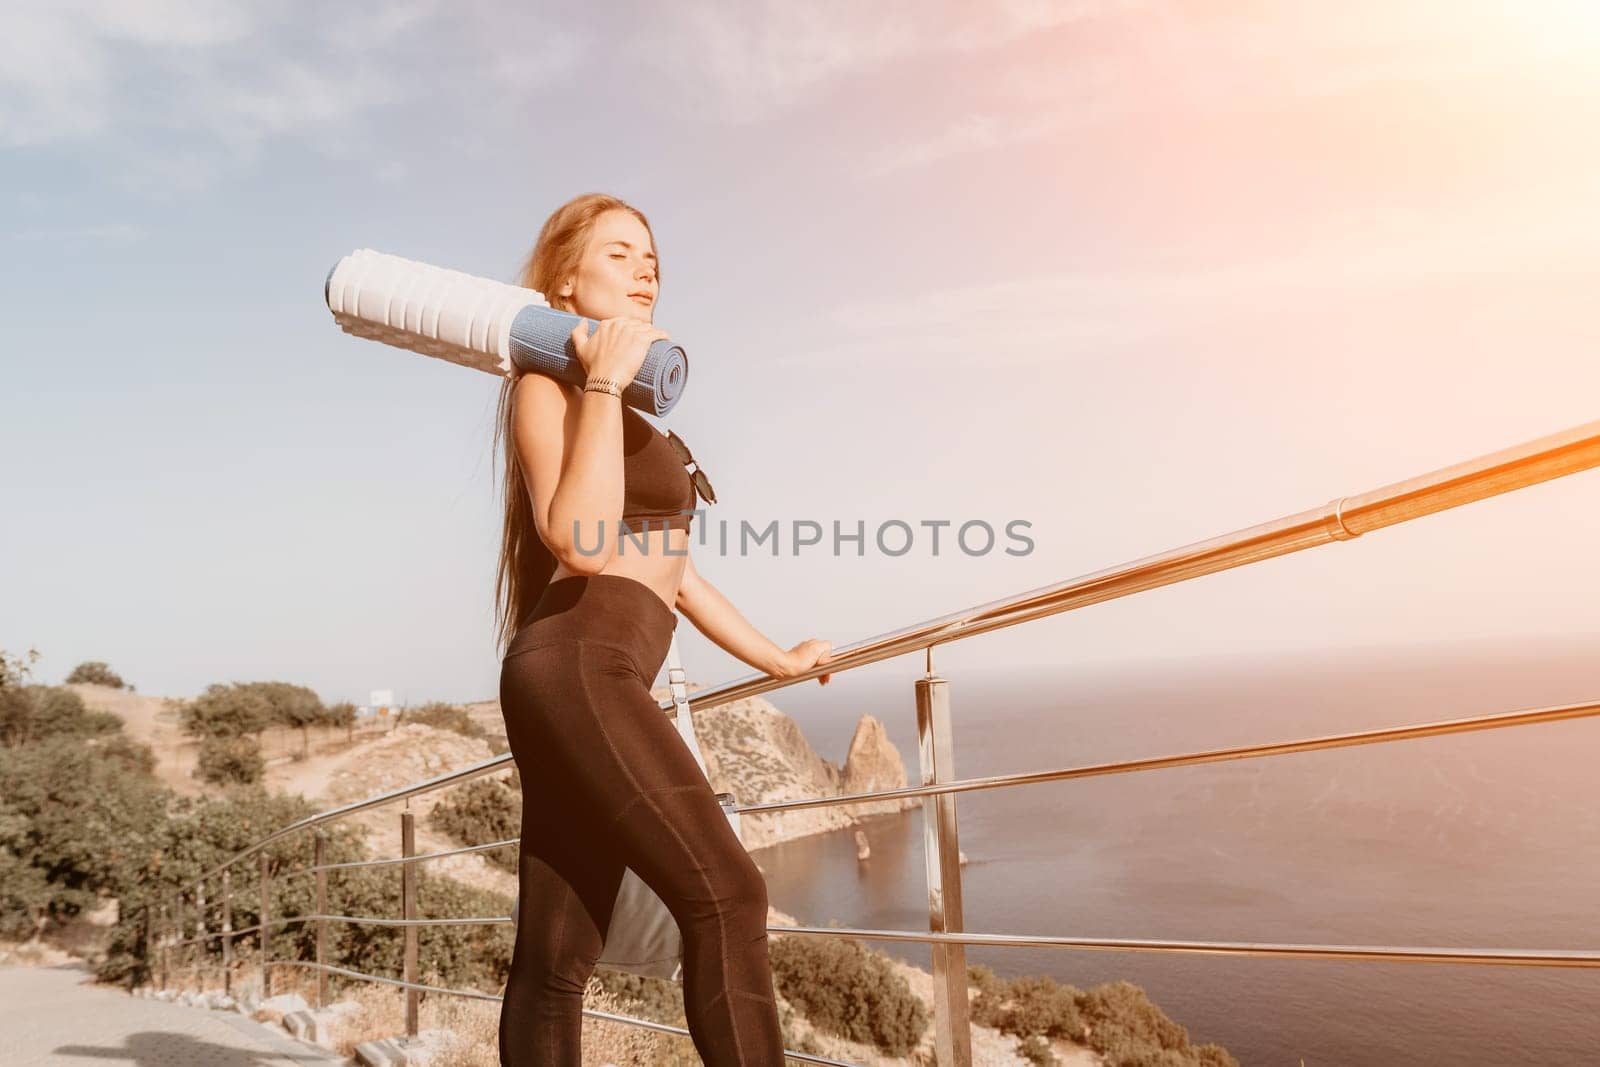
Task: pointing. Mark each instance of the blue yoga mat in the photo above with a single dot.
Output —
(541, 342)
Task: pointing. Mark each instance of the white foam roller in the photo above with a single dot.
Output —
(481, 323)
(432, 310)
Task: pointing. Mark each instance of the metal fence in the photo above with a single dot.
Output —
(1341, 519)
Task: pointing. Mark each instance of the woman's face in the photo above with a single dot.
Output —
(616, 277)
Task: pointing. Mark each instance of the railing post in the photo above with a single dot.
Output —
(202, 945)
(183, 950)
(266, 915)
(317, 855)
(161, 943)
(227, 930)
(942, 853)
(144, 927)
(408, 904)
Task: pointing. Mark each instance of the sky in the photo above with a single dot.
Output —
(1136, 274)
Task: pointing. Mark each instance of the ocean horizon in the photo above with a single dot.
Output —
(1480, 840)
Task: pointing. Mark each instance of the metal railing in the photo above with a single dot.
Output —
(1341, 519)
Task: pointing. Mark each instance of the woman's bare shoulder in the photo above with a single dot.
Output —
(541, 399)
(541, 388)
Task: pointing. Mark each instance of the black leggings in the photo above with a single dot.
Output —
(607, 783)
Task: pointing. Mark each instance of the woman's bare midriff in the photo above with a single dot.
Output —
(656, 558)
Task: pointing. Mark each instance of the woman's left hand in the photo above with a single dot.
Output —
(810, 653)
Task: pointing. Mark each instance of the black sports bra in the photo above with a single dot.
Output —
(656, 487)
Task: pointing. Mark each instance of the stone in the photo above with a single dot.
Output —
(402, 1051)
(284, 1003)
(759, 754)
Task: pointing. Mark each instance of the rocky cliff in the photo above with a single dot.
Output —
(758, 754)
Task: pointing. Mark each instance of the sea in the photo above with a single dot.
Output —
(1482, 840)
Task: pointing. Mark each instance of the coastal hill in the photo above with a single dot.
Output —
(751, 748)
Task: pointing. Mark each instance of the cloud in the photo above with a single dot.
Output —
(749, 62)
(179, 92)
(60, 62)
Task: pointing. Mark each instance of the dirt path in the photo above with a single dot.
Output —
(55, 1015)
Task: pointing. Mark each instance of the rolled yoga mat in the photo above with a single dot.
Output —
(481, 323)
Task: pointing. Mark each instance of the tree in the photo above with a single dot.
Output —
(293, 705)
(226, 711)
(76, 821)
(30, 713)
(94, 672)
(14, 670)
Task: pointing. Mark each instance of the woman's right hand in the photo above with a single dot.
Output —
(617, 347)
(807, 654)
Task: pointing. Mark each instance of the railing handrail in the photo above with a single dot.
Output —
(1493, 474)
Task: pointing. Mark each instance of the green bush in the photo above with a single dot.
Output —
(94, 673)
(32, 713)
(1214, 1055)
(1040, 1005)
(1036, 1049)
(231, 761)
(483, 810)
(444, 717)
(292, 705)
(655, 999)
(200, 833)
(1124, 1009)
(1123, 1025)
(78, 817)
(15, 669)
(225, 711)
(83, 818)
(240, 708)
(845, 988)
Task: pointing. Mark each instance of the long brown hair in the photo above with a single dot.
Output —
(526, 564)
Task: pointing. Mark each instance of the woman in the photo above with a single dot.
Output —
(585, 617)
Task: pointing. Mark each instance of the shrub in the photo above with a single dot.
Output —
(655, 999)
(845, 988)
(1036, 1049)
(94, 673)
(32, 713)
(444, 717)
(231, 760)
(483, 810)
(77, 820)
(989, 1002)
(1039, 1005)
(240, 708)
(292, 705)
(14, 669)
(1213, 1055)
(198, 833)
(1125, 1027)
(226, 711)
(1122, 1008)
(341, 714)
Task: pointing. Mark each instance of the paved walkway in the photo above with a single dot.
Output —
(56, 1015)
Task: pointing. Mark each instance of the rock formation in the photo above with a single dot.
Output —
(758, 754)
